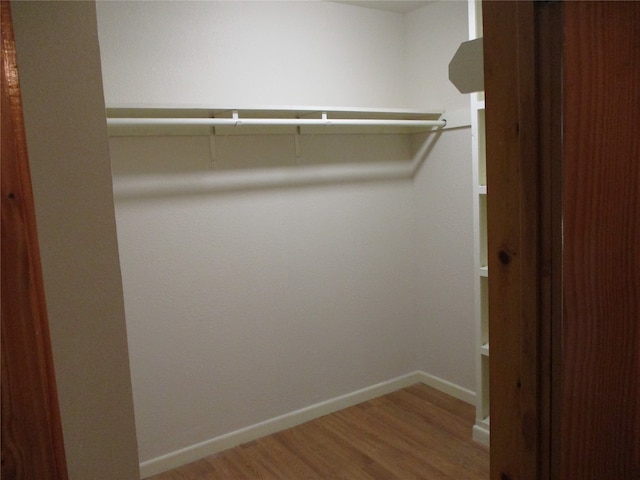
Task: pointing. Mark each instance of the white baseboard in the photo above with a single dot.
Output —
(291, 419)
(481, 434)
(447, 387)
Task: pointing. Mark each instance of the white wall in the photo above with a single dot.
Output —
(444, 257)
(59, 66)
(251, 53)
(432, 36)
(244, 305)
(443, 198)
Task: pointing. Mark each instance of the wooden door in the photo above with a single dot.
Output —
(600, 411)
(32, 446)
(562, 84)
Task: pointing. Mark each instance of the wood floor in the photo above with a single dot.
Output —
(414, 433)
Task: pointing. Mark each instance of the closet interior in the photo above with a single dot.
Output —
(299, 196)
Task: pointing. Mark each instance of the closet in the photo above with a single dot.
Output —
(294, 205)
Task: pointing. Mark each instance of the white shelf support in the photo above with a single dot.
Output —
(236, 121)
(134, 120)
(212, 146)
(481, 429)
(143, 120)
(296, 141)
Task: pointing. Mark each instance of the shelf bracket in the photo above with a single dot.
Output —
(296, 141)
(212, 146)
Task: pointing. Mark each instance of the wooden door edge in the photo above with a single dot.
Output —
(32, 441)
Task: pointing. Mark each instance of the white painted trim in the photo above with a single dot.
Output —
(291, 419)
(447, 387)
(481, 434)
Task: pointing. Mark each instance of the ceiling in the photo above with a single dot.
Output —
(398, 6)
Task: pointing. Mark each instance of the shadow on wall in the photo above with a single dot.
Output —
(160, 166)
(172, 154)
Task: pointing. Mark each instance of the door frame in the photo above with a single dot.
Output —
(523, 91)
(32, 443)
(562, 161)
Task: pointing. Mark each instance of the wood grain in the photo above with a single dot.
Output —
(601, 329)
(32, 447)
(514, 239)
(414, 433)
(549, 43)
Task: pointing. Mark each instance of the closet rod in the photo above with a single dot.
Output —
(217, 122)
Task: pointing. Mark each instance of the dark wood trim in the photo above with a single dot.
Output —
(512, 237)
(32, 444)
(563, 168)
(549, 17)
(523, 229)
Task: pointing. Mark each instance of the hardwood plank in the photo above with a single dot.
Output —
(432, 415)
(414, 433)
(287, 463)
(450, 433)
(388, 450)
(329, 452)
(247, 460)
(397, 445)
